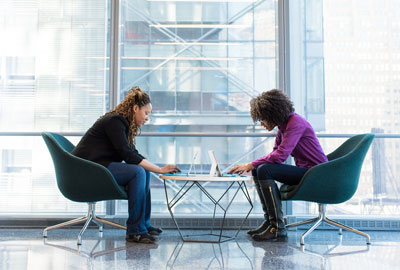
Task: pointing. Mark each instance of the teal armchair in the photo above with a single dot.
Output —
(80, 180)
(331, 182)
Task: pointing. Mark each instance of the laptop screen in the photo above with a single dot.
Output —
(191, 167)
(215, 169)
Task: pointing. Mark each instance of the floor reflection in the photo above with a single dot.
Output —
(25, 249)
(213, 256)
(276, 255)
(101, 247)
(92, 253)
(337, 249)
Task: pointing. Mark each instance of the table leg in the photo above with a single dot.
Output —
(221, 238)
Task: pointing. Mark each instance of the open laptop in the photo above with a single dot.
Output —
(191, 168)
(215, 169)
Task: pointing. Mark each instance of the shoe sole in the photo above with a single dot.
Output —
(253, 233)
(142, 241)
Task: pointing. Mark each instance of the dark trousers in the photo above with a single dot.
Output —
(268, 191)
(137, 181)
(287, 174)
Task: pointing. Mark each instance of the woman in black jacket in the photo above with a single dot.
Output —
(111, 143)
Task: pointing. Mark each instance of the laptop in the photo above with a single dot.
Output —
(190, 168)
(215, 169)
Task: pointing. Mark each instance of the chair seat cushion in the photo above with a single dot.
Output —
(287, 188)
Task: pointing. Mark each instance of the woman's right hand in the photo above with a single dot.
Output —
(170, 168)
(241, 168)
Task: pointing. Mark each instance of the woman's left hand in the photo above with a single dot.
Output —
(241, 168)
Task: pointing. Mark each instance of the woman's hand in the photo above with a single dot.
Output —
(169, 169)
(241, 168)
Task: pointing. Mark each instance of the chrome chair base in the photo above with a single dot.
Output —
(91, 216)
(322, 218)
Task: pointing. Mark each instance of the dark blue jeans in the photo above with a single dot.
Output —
(137, 181)
(287, 174)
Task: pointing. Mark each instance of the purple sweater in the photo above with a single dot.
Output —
(296, 138)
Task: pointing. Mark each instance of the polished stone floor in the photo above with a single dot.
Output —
(26, 249)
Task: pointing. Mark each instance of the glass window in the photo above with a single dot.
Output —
(202, 62)
(215, 102)
(313, 20)
(162, 101)
(344, 62)
(188, 101)
(315, 86)
(53, 70)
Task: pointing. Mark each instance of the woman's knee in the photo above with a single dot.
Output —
(137, 180)
(140, 172)
(263, 171)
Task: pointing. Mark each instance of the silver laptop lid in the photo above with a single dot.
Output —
(215, 169)
(191, 164)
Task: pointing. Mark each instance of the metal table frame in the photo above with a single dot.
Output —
(238, 182)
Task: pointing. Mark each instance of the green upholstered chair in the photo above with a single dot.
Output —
(331, 182)
(80, 180)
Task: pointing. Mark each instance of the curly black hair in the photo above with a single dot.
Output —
(272, 106)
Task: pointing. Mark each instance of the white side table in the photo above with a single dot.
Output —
(237, 182)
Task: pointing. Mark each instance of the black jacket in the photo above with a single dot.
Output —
(107, 141)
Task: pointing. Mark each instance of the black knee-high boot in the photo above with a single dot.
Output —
(272, 198)
(266, 222)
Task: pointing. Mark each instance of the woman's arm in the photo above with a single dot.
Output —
(147, 165)
(288, 141)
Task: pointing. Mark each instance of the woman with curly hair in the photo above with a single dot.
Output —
(110, 141)
(295, 137)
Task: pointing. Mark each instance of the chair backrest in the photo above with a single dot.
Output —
(350, 145)
(79, 179)
(334, 181)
